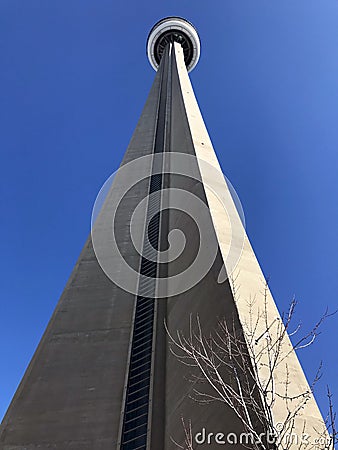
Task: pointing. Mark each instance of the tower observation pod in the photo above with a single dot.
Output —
(166, 335)
(173, 29)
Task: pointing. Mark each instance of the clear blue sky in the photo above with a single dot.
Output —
(74, 77)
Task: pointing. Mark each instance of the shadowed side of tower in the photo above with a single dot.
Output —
(72, 392)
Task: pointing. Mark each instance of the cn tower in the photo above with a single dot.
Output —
(168, 256)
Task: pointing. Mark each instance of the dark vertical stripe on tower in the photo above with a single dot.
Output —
(135, 430)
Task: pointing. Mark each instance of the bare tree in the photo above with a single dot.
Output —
(188, 443)
(238, 363)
